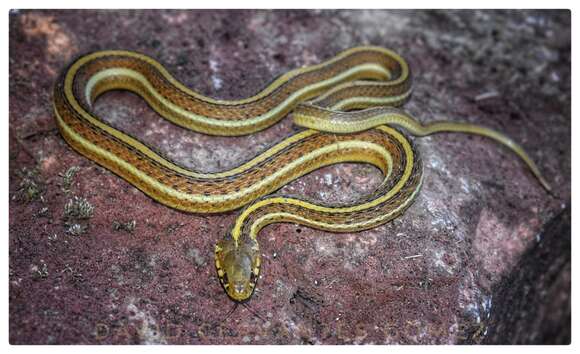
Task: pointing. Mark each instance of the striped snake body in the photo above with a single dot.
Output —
(348, 103)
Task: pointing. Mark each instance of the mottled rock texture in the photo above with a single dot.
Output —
(483, 256)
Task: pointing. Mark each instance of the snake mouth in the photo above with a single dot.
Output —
(238, 292)
(241, 299)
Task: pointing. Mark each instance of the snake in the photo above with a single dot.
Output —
(347, 108)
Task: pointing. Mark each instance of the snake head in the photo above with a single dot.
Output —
(238, 265)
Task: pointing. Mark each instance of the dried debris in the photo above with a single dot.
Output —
(29, 188)
(78, 208)
(128, 226)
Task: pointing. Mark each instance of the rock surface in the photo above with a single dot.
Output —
(483, 255)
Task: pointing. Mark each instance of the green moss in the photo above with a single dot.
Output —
(67, 178)
(77, 211)
(29, 188)
(78, 208)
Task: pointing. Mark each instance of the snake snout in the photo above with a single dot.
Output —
(239, 288)
(241, 291)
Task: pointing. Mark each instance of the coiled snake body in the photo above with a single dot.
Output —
(348, 103)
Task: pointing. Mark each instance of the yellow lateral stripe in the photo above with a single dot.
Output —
(154, 156)
(268, 90)
(267, 219)
(200, 198)
(404, 177)
(234, 124)
(370, 101)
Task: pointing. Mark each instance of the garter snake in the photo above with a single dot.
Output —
(348, 103)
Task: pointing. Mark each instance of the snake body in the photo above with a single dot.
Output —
(348, 103)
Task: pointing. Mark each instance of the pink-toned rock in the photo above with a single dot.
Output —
(482, 256)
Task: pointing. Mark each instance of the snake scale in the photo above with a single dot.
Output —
(349, 106)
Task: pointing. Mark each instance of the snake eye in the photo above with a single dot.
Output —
(224, 279)
(254, 275)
